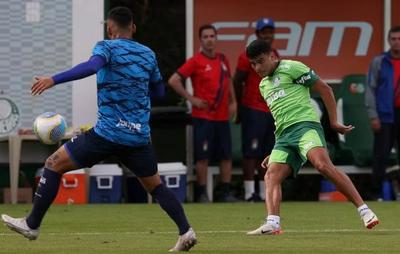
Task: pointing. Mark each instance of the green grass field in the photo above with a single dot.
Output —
(310, 227)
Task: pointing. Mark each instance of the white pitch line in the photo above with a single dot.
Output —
(216, 232)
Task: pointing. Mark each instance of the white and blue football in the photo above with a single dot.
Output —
(50, 127)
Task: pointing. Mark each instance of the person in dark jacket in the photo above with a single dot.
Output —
(382, 100)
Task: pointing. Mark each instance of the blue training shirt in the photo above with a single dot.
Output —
(123, 91)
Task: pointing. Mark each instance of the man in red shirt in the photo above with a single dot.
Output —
(213, 101)
(257, 123)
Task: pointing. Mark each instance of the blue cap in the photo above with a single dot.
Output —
(265, 22)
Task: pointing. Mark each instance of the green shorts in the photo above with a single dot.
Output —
(292, 146)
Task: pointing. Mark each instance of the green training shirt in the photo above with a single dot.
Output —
(287, 93)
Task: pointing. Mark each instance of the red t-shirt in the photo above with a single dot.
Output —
(396, 79)
(251, 96)
(211, 82)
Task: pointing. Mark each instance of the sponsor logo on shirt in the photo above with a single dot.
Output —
(276, 81)
(281, 93)
(208, 68)
(134, 127)
(303, 79)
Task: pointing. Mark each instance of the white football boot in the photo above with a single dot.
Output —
(370, 219)
(266, 229)
(185, 241)
(19, 225)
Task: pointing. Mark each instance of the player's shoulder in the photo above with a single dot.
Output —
(128, 43)
(289, 66)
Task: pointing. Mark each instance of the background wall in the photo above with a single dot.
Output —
(85, 33)
(36, 39)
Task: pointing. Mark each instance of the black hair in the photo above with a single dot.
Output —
(122, 16)
(207, 26)
(257, 48)
(395, 29)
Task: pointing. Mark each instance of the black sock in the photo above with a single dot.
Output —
(225, 188)
(170, 204)
(45, 194)
(200, 190)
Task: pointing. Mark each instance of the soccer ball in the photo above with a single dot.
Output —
(50, 127)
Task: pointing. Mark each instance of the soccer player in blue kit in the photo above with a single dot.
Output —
(127, 75)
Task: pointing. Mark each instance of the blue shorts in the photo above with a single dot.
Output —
(258, 136)
(212, 140)
(89, 148)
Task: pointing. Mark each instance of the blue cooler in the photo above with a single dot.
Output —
(173, 175)
(105, 183)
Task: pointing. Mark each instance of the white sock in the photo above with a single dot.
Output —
(363, 209)
(248, 188)
(261, 185)
(274, 220)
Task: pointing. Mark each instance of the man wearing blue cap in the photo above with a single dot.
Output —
(265, 30)
(257, 122)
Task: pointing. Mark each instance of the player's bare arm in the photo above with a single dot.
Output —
(41, 84)
(232, 101)
(329, 100)
(175, 81)
(238, 82)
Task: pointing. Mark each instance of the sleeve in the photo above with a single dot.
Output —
(156, 85)
(372, 84)
(303, 75)
(102, 49)
(80, 71)
(188, 68)
(243, 63)
(155, 76)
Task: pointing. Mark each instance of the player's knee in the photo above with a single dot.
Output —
(324, 167)
(49, 164)
(53, 164)
(272, 175)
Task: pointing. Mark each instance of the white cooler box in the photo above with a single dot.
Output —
(173, 175)
(105, 183)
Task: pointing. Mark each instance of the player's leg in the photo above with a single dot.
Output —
(319, 158)
(383, 143)
(268, 142)
(79, 152)
(254, 131)
(222, 145)
(250, 142)
(142, 162)
(275, 175)
(312, 146)
(46, 192)
(202, 135)
(57, 164)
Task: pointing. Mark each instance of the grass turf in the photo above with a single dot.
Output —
(310, 227)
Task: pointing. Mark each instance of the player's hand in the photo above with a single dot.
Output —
(199, 103)
(233, 110)
(264, 163)
(41, 84)
(342, 129)
(375, 124)
(238, 118)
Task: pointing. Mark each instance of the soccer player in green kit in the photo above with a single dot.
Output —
(285, 86)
